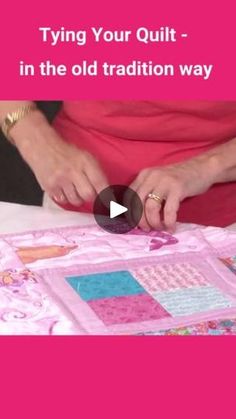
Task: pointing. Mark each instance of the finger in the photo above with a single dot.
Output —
(109, 196)
(71, 194)
(58, 195)
(100, 182)
(152, 212)
(170, 211)
(131, 201)
(96, 176)
(139, 180)
(84, 188)
(142, 193)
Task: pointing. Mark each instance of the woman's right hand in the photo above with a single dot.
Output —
(64, 172)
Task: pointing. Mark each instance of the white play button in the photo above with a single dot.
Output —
(116, 209)
(114, 217)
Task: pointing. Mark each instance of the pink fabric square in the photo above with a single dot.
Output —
(164, 277)
(128, 309)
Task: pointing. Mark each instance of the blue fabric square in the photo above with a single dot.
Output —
(186, 301)
(105, 285)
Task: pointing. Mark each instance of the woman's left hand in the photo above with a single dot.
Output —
(172, 184)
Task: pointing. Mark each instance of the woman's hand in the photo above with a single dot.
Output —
(64, 172)
(172, 183)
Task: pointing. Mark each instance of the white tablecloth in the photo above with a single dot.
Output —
(15, 218)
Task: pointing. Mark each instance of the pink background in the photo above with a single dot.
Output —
(210, 25)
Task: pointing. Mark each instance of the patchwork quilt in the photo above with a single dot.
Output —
(83, 280)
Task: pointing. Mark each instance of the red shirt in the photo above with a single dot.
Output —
(128, 136)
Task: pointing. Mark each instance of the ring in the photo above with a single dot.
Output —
(156, 198)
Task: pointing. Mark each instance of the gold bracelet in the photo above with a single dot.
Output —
(13, 117)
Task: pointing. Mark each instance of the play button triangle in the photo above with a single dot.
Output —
(116, 209)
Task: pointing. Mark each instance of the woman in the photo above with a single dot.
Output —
(180, 156)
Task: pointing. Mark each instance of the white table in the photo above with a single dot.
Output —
(15, 218)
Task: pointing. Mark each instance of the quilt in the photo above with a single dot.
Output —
(83, 280)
